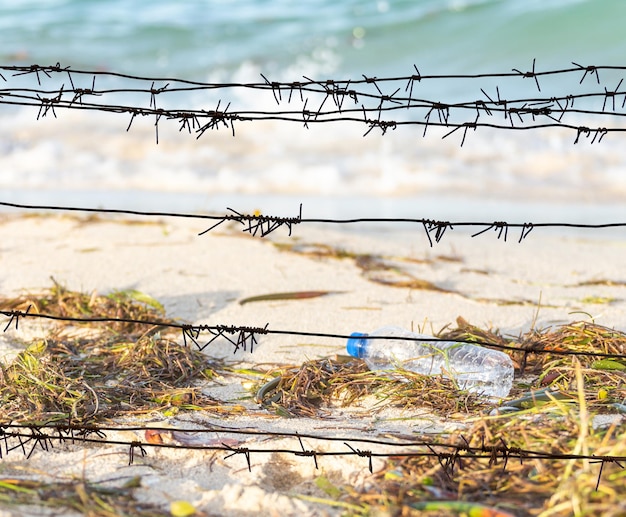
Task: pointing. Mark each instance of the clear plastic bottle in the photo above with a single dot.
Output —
(474, 368)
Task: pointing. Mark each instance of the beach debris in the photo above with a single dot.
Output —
(267, 388)
(473, 368)
(138, 296)
(156, 437)
(386, 270)
(532, 399)
(619, 407)
(295, 295)
(608, 364)
(59, 301)
(187, 438)
(182, 509)
(323, 483)
(315, 387)
(76, 497)
(199, 439)
(401, 279)
(91, 372)
(461, 507)
(503, 410)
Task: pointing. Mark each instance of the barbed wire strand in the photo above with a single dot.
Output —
(367, 103)
(244, 337)
(28, 437)
(263, 225)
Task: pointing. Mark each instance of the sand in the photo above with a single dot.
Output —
(548, 279)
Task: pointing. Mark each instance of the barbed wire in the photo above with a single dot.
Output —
(360, 101)
(244, 337)
(27, 438)
(381, 105)
(263, 225)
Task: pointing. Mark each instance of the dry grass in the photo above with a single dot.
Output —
(90, 373)
(563, 424)
(61, 302)
(88, 499)
(314, 388)
(520, 488)
(386, 270)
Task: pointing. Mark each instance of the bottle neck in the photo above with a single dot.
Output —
(356, 344)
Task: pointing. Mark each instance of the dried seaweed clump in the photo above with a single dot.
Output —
(100, 369)
(313, 388)
(64, 303)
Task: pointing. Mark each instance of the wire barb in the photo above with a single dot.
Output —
(439, 227)
(131, 451)
(262, 224)
(305, 452)
(602, 461)
(530, 74)
(501, 227)
(246, 336)
(14, 316)
(239, 450)
(363, 454)
(591, 70)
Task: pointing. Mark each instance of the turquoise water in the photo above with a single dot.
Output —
(204, 39)
(88, 157)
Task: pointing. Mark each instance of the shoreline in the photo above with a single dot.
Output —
(338, 209)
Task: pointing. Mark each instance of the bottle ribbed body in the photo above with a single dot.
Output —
(474, 368)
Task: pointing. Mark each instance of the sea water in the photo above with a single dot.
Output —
(89, 159)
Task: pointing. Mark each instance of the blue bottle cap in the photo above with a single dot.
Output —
(356, 344)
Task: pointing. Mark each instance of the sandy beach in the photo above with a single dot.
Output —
(545, 280)
(149, 369)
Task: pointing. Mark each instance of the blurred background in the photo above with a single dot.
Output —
(88, 159)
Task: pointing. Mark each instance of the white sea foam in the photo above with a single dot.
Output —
(91, 152)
